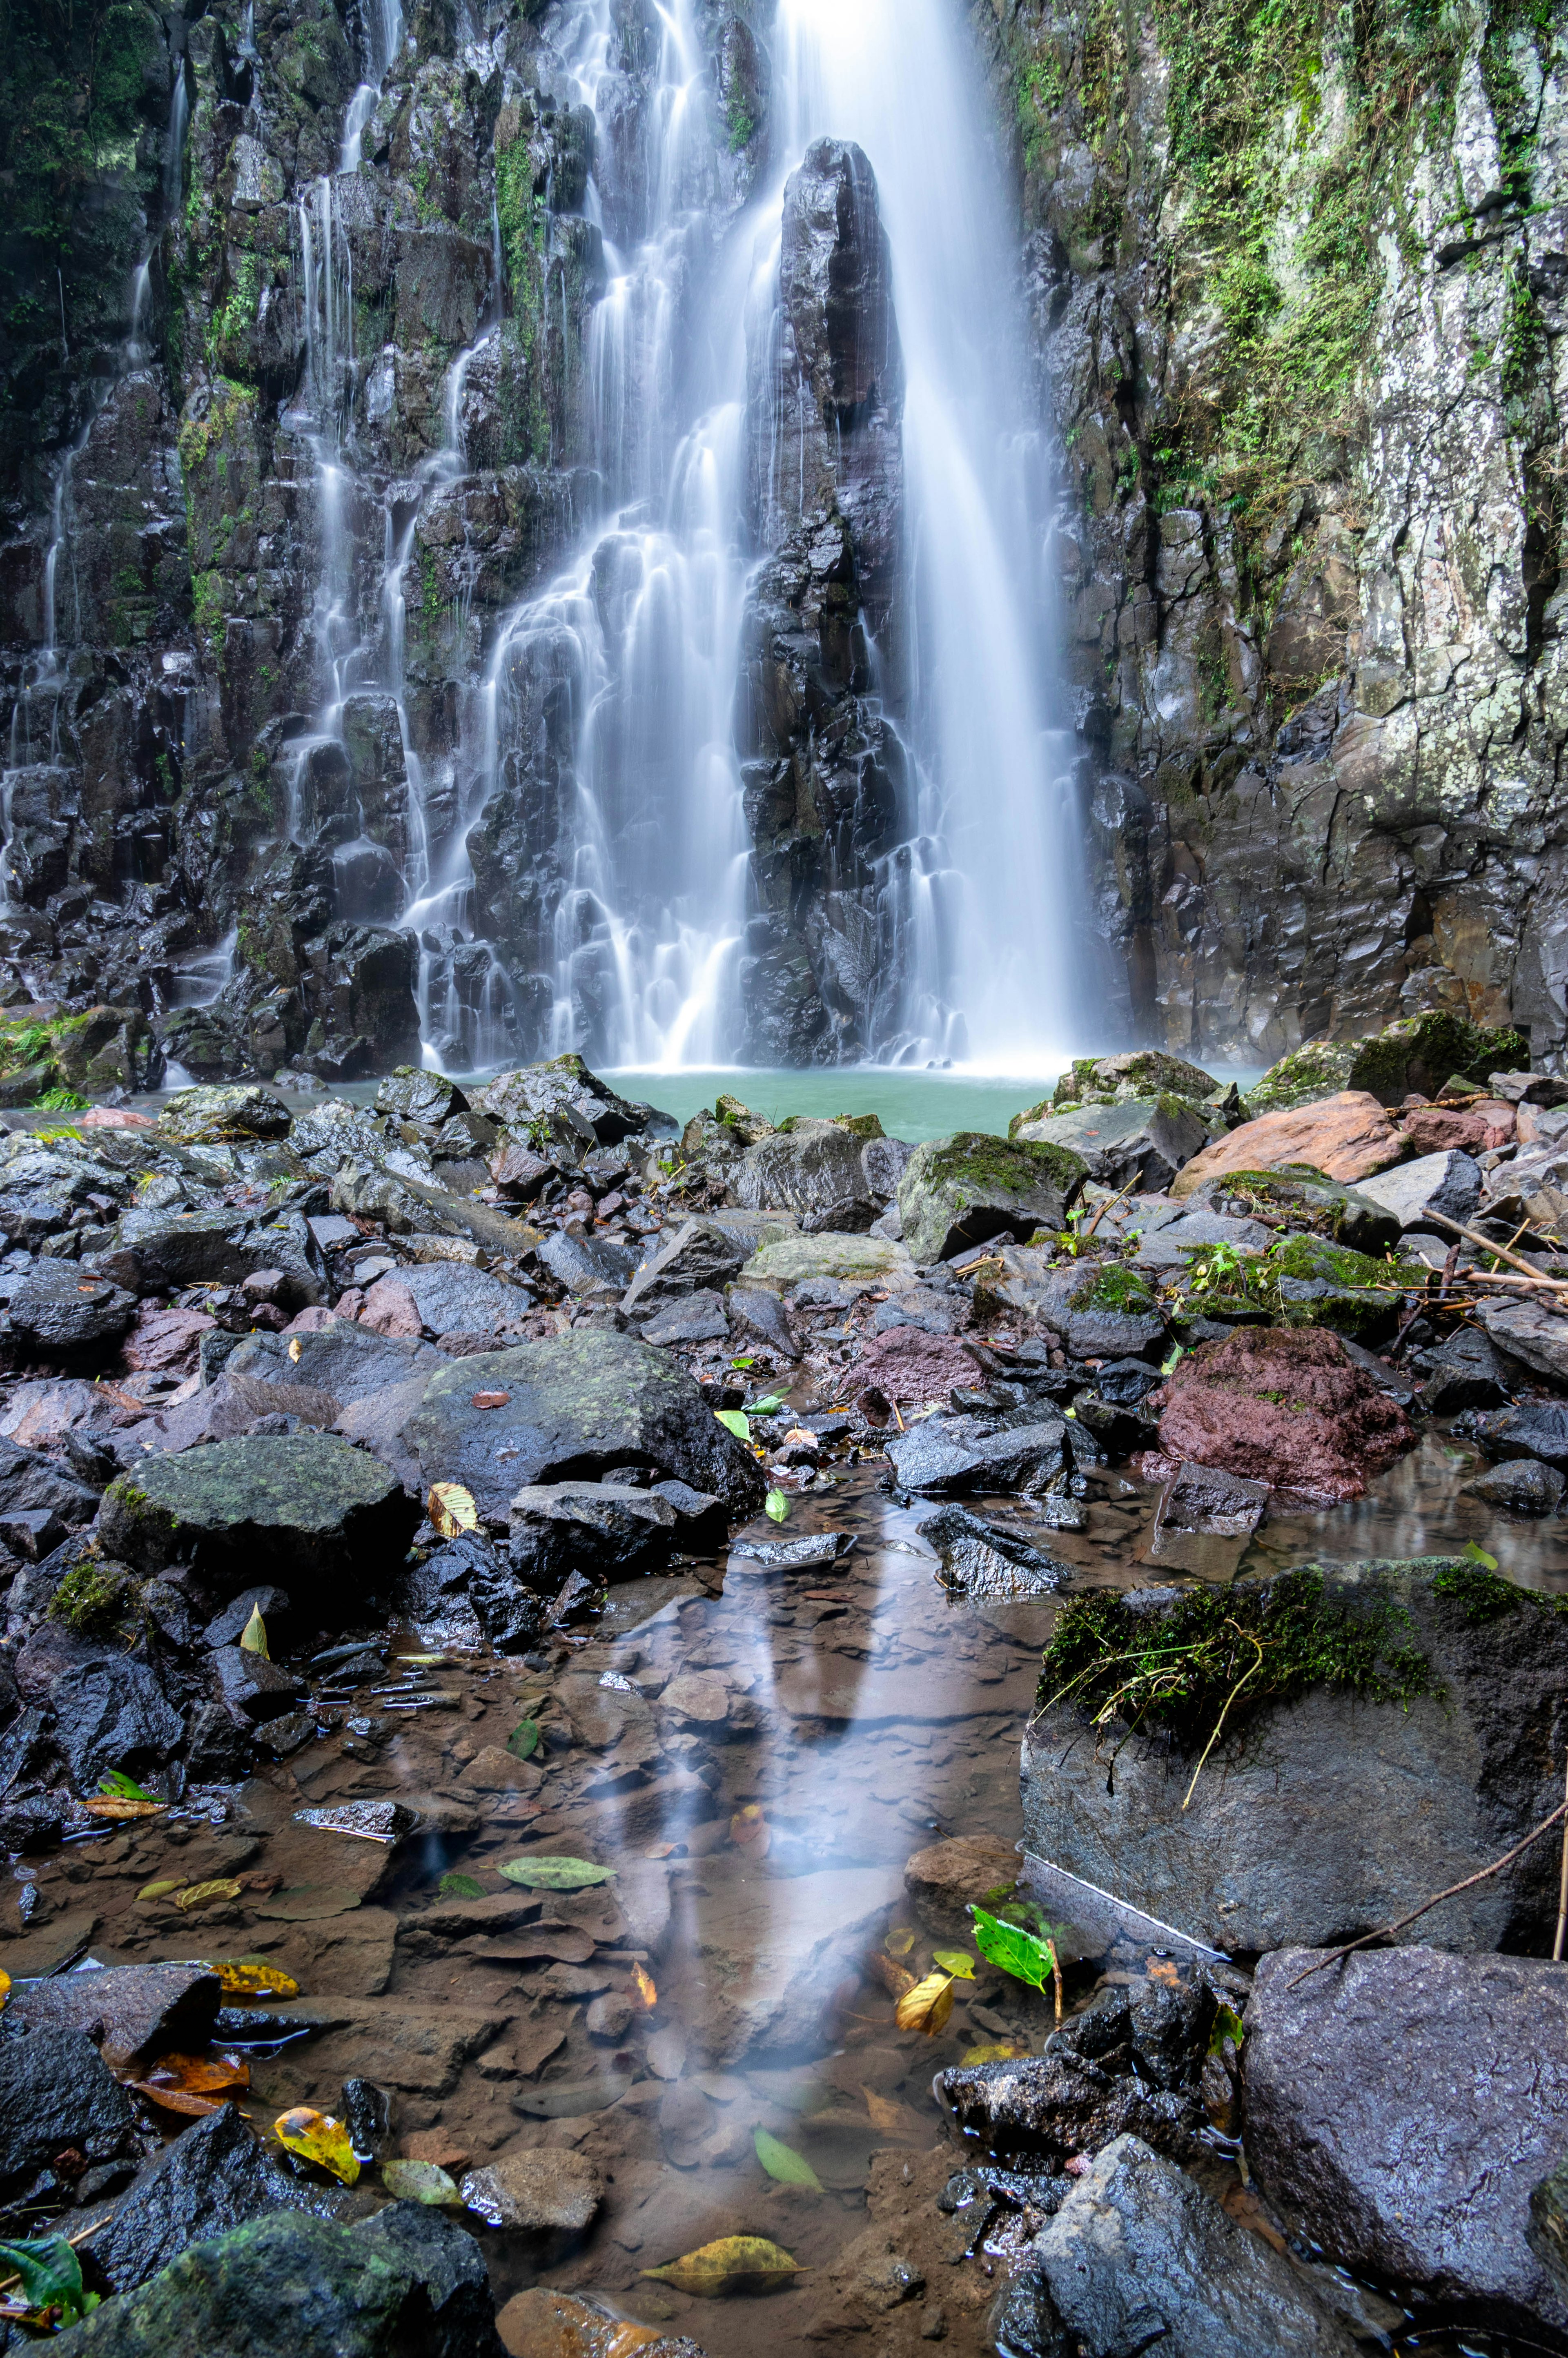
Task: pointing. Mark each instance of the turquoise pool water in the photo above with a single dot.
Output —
(910, 1105)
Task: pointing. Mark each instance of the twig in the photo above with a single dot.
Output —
(1386, 1931)
(1104, 1209)
(1219, 1723)
(1503, 1252)
(1561, 1889)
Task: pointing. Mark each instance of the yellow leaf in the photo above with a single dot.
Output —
(253, 1636)
(995, 2053)
(242, 1978)
(927, 2005)
(956, 1961)
(197, 2076)
(644, 1985)
(207, 1895)
(900, 1941)
(5, 1988)
(734, 2264)
(748, 1830)
(452, 1509)
(110, 1805)
(294, 1351)
(886, 2114)
(160, 1890)
(317, 2136)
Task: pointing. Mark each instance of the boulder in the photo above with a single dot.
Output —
(1140, 2255)
(1137, 1073)
(883, 1161)
(306, 1504)
(1417, 1056)
(1139, 1141)
(1347, 1137)
(1522, 1485)
(947, 1879)
(812, 1169)
(699, 1257)
(1449, 1183)
(758, 1316)
(944, 1455)
(110, 1711)
(1309, 1201)
(1528, 1332)
(700, 1318)
(132, 2013)
(294, 2286)
(980, 1559)
(586, 1264)
(1329, 1806)
(568, 1099)
(965, 1189)
(239, 1110)
(56, 2092)
(216, 2176)
(1280, 1405)
(1401, 2108)
(452, 1298)
(61, 1308)
(220, 1247)
(1467, 1371)
(577, 1405)
(603, 1528)
(864, 1264)
(342, 1358)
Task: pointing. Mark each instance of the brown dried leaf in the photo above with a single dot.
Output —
(642, 1983)
(927, 2005)
(451, 1509)
(491, 1400)
(175, 2100)
(207, 1895)
(893, 1978)
(110, 1805)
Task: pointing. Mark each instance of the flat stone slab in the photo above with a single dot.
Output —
(773, 1950)
(865, 1263)
(129, 2010)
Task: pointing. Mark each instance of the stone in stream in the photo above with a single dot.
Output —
(1061, 2103)
(1522, 1485)
(1141, 1141)
(1449, 1183)
(1140, 2255)
(1536, 1428)
(1284, 1406)
(215, 2176)
(110, 1711)
(131, 2012)
(1401, 2106)
(942, 1455)
(757, 1315)
(57, 2092)
(1467, 1371)
(575, 1406)
(1322, 1812)
(309, 1505)
(543, 2191)
(295, 2286)
(980, 1559)
(1527, 1330)
(698, 1258)
(250, 1684)
(965, 1189)
(606, 1529)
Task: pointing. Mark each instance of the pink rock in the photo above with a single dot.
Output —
(112, 1118)
(43, 1411)
(1347, 1137)
(911, 1368)
(391, 1309)
(318, 1316)
(165, 1341)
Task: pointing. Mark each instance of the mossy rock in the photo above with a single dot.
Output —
(1311, 1199)
(1323, 1284)
(1416, 1055)
(1113, 1286)
(965, 1189)
(1142, 1073)
(94, 1594)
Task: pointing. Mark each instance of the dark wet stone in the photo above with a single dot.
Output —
(1141, 1141)
(586, 1264)
(577, 1405)
(1119, 1431)
(1023, 2322)
(981, 1559)
(367, 2116)
(512, 1614)
(1019, 2188)
(701, 1520)
(812, 1168)
(1040, 2104)
(56, 2090)
(565, 1093)
(883, 1161)
(1448, 1184)
(61, 1308)
(1127, 1383)
(220, 1248)
(700, 1318)
(1327, 1813)
(756, 1312)
(427, 1099)
(31, 1822)
(30, 1479)
(407, 2284)
(1140, 2256)
(130, 2011)
(1535, 1429)
(1170, 2029)
(349, 1361)
(941, 1455)
(219, 1747)
(1114, 1334)
(453, 1298)
(215, 2176)
(606, 1531)
(1403, 2104)
(110, 1713)
(700, 1258)
(1522, 1486)
(308, 1504)
(427, 1590)
(241, 1109)
(248, 1683)
(1467, 1371)
(226, 1628)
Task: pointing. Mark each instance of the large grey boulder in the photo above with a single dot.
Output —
(576, 1405)
(811, 1168)
(1526, 1331)
(1142, 1143)
(347, 1361)
(60, 1309)
(453, 1297)
(1448, 1183)
(1401, 2106)
(1322, 1813)
(220, 1247)
(965, 1189)
(1138, 2257)
(698, 1258)
(564, 1098)
(322, 1517)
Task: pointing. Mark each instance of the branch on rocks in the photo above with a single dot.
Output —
(1503, 1252)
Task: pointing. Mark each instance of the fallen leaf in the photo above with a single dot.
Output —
(642, 1983)
(1022, 1954)
(900, 1940)
(768, 1405)
(51, 2277)
(776, 1505)
(927, 2005)
(1161, 1969)
(461, 1887)
(121, 1788)
(245, 1978)
(893, 1978)
(5, 1988)
(175, 2100)
(160, 1890)
(734, 2264)
(660, 1850)
(523, 1740)
(782, 2161)
(555, 1874)
(197, 2075)
(419, 2181)
(423, 1661)
(800, 1433)
(748, 1830)
(294, 1351)
(885, 2111)
(735, 1421)
(491, 1400)
(1245, 2208)
(956, 1961)
(317, 2136)
(110, 1805)
(207, 1895)
(253, 1636)
(452, 1509)
(997, 2053)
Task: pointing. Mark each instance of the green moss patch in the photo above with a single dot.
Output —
(971, 1160)
(92, 1596)
(1113, 1286)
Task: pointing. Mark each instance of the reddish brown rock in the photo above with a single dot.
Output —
(946, 1878)
(911, 1368)
(1282, 1405)
(1347, 1138)
(165, 1340)
(1432, 1130)
(391, 1309)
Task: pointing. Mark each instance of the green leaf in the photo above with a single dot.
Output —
(743, 1363)
(956, 1961)
(555, 1874)
(1478, 1555)
(782, 2161)
(767, 1406)
(124, 1788)
(776, 1505)
(1168, 1367)
(50, 2274)
(735, 1421)
(1226, 2025)
(1018, 1953)
(523, 1740)
(418, 2181)
(459, 1886)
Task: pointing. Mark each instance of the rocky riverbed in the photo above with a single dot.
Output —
(771, 1714)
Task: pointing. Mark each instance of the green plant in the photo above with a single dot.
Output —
(92, 1596)
(61, 1101)
(50, 2277)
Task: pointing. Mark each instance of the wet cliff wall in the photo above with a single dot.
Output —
(1296, 276)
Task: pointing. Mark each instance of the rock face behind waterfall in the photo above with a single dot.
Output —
(825, 775)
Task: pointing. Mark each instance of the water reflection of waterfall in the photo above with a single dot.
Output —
(603, 727)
